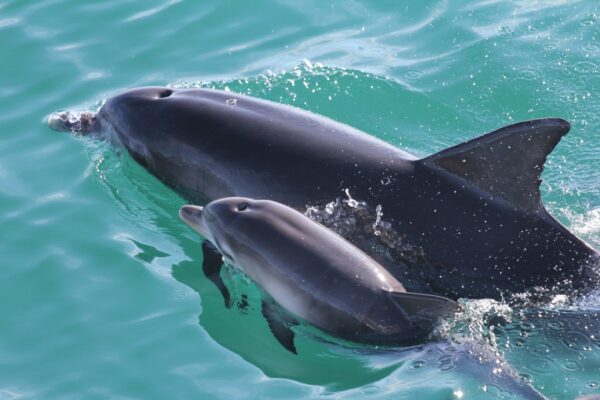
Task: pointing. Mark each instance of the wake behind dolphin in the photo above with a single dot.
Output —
(472, 213)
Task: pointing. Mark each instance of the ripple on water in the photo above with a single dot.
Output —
(542, 349)
(446, 363)
(572, 365)
(587, 67)
(530, 74)
(574, 340)
(6, 22)
(413, 74)
(541, 366)
(588, 21)
(591, 48)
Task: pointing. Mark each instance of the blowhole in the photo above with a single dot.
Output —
(165, 93)
(242, 206)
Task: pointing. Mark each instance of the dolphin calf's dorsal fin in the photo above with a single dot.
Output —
(424, 310)
(506, 163)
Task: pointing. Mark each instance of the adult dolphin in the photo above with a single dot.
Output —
(468, 221)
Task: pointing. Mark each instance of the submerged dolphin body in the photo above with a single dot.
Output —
(314, 274)
(466, 222)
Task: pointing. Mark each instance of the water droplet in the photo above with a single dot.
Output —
(378, 215)
(350, 201)
(505, 31)
(329, 207)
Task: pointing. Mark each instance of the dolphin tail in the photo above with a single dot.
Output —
(424, 310)
(506, 163)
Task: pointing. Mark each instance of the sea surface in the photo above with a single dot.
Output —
(101, 292)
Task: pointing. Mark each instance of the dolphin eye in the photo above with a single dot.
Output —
(242, 206)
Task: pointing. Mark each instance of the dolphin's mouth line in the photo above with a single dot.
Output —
(194, 217)
(223, 252)
(206, 214)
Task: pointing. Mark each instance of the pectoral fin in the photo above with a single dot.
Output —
(279, 326)
(211, 265)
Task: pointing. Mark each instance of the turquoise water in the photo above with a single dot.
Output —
(101, 294)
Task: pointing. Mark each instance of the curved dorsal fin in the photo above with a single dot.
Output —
(506, 163)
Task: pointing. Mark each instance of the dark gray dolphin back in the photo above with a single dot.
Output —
(211, 144)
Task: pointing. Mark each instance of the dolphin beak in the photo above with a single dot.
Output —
(192, 215)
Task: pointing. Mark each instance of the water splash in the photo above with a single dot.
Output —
(586, 225)
(477, 320)
(77, 122)
(349, 217)
(378, 215)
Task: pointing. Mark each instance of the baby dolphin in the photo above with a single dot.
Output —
(313, 273)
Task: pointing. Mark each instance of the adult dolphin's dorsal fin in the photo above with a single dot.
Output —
(506, 163)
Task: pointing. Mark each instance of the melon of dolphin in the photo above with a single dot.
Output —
(469, 220)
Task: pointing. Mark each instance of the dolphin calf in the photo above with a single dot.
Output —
(314, 274)
(465, 222)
